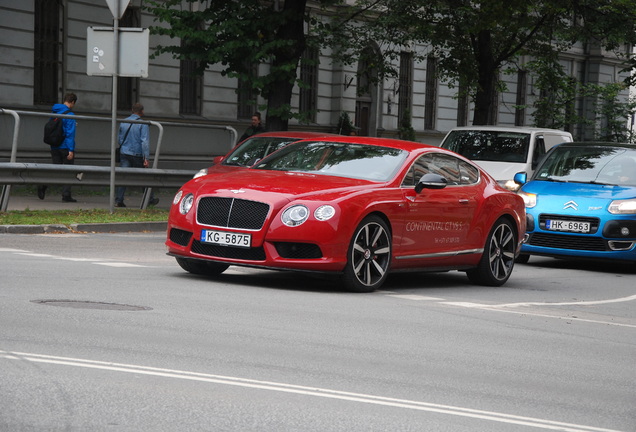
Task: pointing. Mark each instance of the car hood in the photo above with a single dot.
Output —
(556, 196)
(276, 185)
(501, 171)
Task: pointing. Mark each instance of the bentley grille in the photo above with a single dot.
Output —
(232, 213)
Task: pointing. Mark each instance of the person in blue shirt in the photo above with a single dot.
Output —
(65, 153)
(135, 149)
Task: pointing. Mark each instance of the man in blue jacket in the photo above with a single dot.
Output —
(65, 153)
(135, 149)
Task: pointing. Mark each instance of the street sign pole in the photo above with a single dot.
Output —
(113, 126)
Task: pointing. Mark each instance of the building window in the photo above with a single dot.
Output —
(246, 94)
(405, 90)
(128, 87)
(309, 89)
(520, 105)
(430, 98)
(47, 64)
(189, 88)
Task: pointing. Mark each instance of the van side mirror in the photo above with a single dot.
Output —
(521, 178)
(431, 181)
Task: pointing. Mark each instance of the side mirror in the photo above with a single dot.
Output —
(431, 181)
(521, 178)
(217, 160)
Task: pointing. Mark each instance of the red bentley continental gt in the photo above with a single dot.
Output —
(352, 206)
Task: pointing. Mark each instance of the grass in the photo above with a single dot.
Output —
(68, 217)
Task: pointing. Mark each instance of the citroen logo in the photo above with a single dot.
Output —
(237, 191)
(570, 205)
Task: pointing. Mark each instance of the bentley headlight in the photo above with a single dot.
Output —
(295, 215)
(186, 203)
(623, 206)
(324, 212)
(177, 197)
(529, 199)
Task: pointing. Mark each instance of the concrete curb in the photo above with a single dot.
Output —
(115, 227)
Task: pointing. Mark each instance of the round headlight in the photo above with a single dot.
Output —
(177, 197)
(186, 203)
(324, 212)
(295, 215)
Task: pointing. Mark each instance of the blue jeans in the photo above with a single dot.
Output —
(128, 161)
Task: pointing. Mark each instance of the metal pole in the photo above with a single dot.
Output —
(113, 127)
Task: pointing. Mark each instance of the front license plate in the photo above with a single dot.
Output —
(226, 238)
(570, 226)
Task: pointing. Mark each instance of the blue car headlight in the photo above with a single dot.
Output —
(529, 199)
(623, 206)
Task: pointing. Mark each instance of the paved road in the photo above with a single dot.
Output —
(105, 332)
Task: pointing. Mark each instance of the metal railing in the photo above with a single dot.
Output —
(27, 173)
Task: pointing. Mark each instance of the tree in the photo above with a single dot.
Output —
(474, 40)
(237, 34)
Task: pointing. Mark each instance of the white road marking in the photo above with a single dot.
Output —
(414, 297)
(307, 391)
(119, 264)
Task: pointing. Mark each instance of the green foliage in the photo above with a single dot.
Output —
(68, 217)
(406, 131)
(344, 126)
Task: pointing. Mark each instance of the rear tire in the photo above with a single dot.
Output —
(498, 259)
(201, 267)
(369, 256)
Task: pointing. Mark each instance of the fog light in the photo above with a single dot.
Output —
(625, 231)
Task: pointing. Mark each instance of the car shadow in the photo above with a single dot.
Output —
(593, 265)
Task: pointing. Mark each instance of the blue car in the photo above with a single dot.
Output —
(581, 202)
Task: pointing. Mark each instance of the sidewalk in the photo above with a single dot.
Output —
(25, 199)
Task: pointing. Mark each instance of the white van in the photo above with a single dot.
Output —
(504, 151)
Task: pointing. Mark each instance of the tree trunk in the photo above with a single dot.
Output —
(486, 81)
(285, 65)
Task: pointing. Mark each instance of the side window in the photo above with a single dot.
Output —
(468, 173)
(418, 169)
(447, 166)
(539, 149)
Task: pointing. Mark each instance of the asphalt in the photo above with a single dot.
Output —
(53, 201)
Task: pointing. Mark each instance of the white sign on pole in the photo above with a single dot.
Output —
(112, 5)
(134, 44)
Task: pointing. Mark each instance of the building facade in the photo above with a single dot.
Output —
(44, 55)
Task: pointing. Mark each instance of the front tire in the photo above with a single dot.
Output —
(369, 256)
(498, 259)
(201, 267)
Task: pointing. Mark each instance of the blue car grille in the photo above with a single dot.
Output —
(232, 213)
(594, 222)
(574, 242)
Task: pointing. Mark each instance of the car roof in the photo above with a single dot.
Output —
(385, 142)
(292, 134)
(511, 129)
(597, 144)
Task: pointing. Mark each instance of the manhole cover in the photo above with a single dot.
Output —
(80, 304)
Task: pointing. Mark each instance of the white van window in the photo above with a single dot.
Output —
(485, 145)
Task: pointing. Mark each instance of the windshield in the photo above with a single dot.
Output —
(252, 150)
(484, 145)
(600, 164)
(359, 161)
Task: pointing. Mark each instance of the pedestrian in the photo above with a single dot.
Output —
(64, 154)
(134, 148)
(255, 127)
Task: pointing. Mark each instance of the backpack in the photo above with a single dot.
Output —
(54, 131)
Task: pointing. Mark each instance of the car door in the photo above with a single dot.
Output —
(438, 221)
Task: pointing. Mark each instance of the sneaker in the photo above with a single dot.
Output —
(153, 201)
(68, 199)
(41, 192)
(120, 204)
